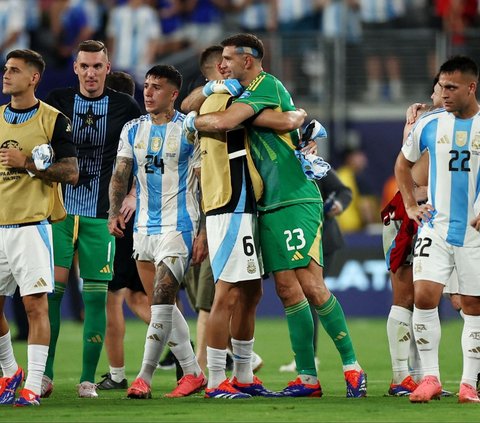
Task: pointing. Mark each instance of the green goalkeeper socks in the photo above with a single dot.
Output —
(54, 315)
(94, 326)
(300, 327)
(333, 320)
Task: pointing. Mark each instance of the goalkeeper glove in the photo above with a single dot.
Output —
(223, 86)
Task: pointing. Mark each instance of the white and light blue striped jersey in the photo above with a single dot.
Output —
(454, 177)
(163, 165)
(381, 11)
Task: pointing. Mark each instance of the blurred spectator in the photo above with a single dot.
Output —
(364, 209)
(341, 19)
(380, 18)
(295, 19)
(174, 37)
(342, 30)
(256, 16)
(204, 25)
(72, 21)
(456, 16)
(389, 190)
(13, 27)
(133, 34)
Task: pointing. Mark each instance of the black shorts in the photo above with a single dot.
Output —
(125, 274)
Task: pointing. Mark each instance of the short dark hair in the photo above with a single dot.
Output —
(462, 64)
(30, 57)
(92, 46)
(246, 41)
(208, 58)
(121, 82)
(170, 73)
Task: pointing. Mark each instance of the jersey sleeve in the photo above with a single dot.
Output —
(125, 144)
(411, 146)
(62, 142)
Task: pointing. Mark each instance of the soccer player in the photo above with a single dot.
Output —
(98, 115)
(36, 153)
(125, 284)
(166, 231)
(448, 237)
(398, 237)
(290, 216)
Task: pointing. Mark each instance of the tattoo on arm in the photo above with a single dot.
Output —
(119, 184)
(64, 170)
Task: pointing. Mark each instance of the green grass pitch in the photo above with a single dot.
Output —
(272, 343)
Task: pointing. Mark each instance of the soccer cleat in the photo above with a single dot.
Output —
(9, 385)
(257, 362)
(356, 383)
(87, 390)
(26, 398)
(47, 387)
(108, 383)
(188, 385)
(467, 394)
(139, 389)
(429, 388)
(225, 391)
(404, 388)
(446, 393)
(297, 388)
(255, 389)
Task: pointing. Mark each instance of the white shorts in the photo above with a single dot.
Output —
(435, 260)
(26, 259)
(173, 248)
(451, 287)
(234, 248)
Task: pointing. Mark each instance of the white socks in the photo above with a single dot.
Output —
(399, 338)
(242, 360)
(216, 362)
(158, 333)
(471, 349)
(179, 343)
(7, 358)
(37, 359)
(427, 330)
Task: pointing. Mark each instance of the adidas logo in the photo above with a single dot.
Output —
(443, 140)
(297, 256)
(422, 341)
(405, 338)
(340, 336)
(475, 350)
(40, 283)
(105, 269)
(97, 339)
(154, 337)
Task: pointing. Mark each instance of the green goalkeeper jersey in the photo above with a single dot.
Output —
(273, 153)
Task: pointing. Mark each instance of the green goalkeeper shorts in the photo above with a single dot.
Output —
(90, 237)
(291, 236)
